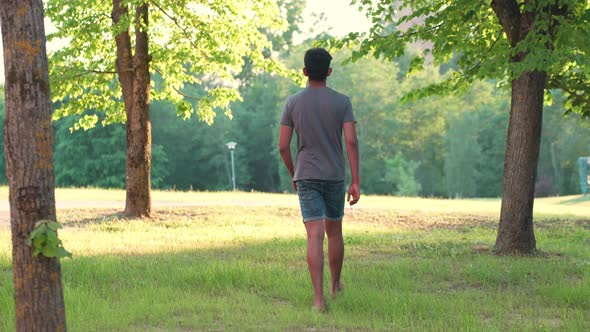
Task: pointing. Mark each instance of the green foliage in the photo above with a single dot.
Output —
(564, 140)
(191, 154)
(463, 155)
(44, 240)
(197, 154)
(253, 126)
(187, 38)
(470, 32)
(292, 10)
(203, 149)
(97, 157)
(401, 173)
(440, 133)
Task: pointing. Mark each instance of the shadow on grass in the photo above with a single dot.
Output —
(386, 219)
(417, 221)
(396, 280)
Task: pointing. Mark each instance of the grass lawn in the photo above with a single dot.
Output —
(238, 263)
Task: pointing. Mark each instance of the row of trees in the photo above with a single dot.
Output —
(450, 146)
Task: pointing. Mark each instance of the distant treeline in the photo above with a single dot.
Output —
(450, 146)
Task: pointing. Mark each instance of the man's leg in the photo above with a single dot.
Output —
(335, 254)
(315, 260)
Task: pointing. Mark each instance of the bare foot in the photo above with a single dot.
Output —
(338, 288)
(320, 306)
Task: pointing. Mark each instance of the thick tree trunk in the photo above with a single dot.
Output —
(139, 130)
(133, 71)
(515, 233)
(28, 147)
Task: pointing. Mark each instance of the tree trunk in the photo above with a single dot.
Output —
(133, 72)
(28, 148)
(515, 233)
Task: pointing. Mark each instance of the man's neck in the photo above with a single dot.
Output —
(316, 84)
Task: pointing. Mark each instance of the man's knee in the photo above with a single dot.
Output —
(333, 228)
(315, 230)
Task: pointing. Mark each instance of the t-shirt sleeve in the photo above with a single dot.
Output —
(286, 118)
(348, 115)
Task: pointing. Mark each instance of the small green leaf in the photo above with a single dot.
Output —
(39, 240)
(62, 252)
(42, 228)
(48, 251)
(52, 225)
(35, 233)
(52, 239)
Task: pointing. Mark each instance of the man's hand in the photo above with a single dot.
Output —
(294, 185)
(352, 147)
(354, 194)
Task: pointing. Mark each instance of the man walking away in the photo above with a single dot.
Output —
(319, 115)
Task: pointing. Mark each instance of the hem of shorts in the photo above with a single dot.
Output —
(313, 218)
(334, 219)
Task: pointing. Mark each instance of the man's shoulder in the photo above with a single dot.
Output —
(292, 98)
(327, 92)
(298, 94)
(338, 94)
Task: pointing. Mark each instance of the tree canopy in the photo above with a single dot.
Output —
(191, 42)
(470, 35)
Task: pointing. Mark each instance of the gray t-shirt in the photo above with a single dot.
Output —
(317, 115)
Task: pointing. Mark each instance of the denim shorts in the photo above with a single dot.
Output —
(321, 199)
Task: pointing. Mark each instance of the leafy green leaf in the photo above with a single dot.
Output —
(49, 251)
(39, 240)
(52, 239)
(45, 240)
(52, 225)
(61, 252)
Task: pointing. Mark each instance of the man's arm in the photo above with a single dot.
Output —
(285, 135)
(352, 149)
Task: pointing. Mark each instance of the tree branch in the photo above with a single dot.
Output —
(175, 21)
(508, 12)
(483, 58)
(561, 86)
(178, 91)
(415, 32)
(82, 72)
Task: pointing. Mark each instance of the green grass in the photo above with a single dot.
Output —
(411, 264)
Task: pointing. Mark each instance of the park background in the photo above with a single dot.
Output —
(209, 260)
(450, 146)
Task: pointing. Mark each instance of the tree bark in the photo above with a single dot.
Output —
(133, 72)
(28, 135)
(515, 232)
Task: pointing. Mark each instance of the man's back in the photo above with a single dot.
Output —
(317, 114)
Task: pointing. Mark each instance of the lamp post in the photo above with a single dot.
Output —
(232, 146)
